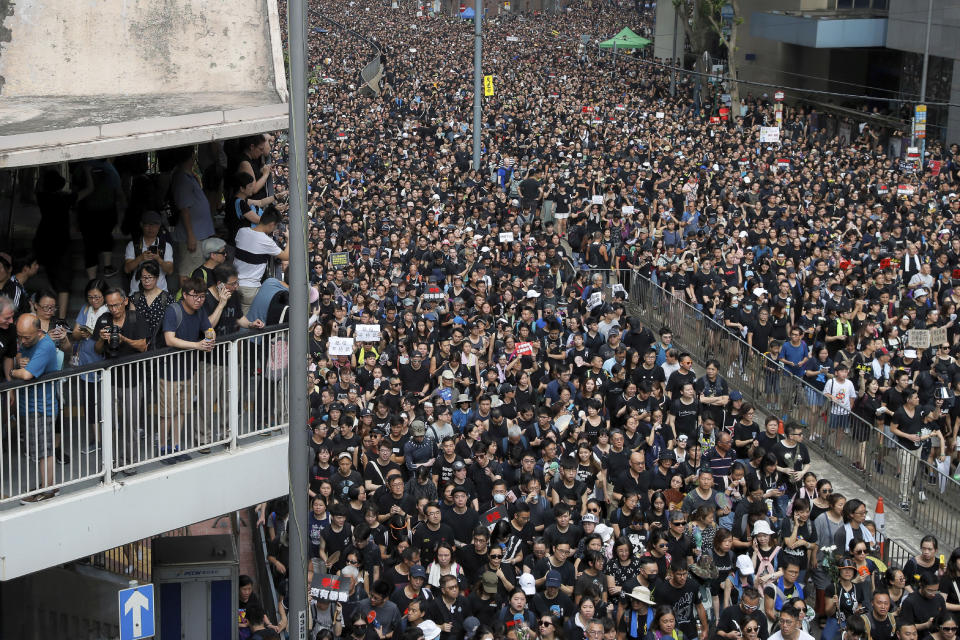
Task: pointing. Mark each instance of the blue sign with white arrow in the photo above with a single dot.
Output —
(136, 612)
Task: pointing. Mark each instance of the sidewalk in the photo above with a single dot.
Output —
(897, 527)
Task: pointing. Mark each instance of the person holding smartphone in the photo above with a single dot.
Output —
(151, 245)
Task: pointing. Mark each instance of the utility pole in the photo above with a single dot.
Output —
(923, 90)
(299, 313)
(477, 79)
(673, 60)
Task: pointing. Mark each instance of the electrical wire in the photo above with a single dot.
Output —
(772, 85)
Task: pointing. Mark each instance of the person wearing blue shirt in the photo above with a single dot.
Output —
(38, 402)
(794, 353)
(185, 326)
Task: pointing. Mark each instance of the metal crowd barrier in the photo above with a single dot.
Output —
(119, 415)
(884, 467)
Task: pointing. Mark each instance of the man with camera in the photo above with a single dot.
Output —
(120, 333)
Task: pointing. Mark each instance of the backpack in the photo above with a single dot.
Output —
(766, 565)
(892, 619)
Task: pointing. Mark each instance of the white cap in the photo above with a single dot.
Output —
(532, 293)
(745, 565)
(527, 583)
(919, 292)
(759, 291)
(762, 526)
(744, 234)
(430, 629)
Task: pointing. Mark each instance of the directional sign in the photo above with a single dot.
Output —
(136, 612)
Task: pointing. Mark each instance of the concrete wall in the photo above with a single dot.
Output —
(91, 47)
(907, 26)
(666, 24)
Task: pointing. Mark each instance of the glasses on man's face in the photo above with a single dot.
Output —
(495, 556)
(680, 523)
(197, 296)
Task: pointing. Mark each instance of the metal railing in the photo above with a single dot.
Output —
(89, 423)
(884, 468)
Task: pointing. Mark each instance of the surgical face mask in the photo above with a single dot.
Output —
(499, 498)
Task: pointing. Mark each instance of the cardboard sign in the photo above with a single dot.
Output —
(340, 259)
(368, 333)
(506, 236)
(326, 587)
(340, 346)
(938, 336)
(595, 300)
(918, 338)
(769, 134)
(490, 518)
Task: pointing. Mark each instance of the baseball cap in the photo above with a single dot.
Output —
(527, 583)
(554, 579)
(345, 455)
(745, 565)
(590, 517)
(489, 581)
(417, 571)
(417, 428)
(458, 465)
(447, 375)
(736, 395)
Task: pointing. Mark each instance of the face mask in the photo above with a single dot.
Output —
(499, 498)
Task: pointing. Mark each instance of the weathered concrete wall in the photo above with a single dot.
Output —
(133, 47)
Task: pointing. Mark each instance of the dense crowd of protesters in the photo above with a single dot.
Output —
(513, 458)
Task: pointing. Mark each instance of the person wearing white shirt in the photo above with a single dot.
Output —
(149, 246)
(255, 247)
(790, 625)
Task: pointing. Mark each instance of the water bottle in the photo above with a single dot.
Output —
(210, 334)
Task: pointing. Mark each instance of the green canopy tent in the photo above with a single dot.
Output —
(626, 39)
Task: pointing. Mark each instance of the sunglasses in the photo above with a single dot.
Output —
(546, 623)
(594, 510)
(495, 557)
(949, 629)
(751, 629)
(679, 523)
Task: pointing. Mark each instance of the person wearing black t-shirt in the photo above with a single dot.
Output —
(684, 413)
(909, 427)
(681, 592)
(681, 376)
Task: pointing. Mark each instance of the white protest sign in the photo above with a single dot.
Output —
(769, 134)
(340, 346)
(660, 115)
(918, 338)
(513, 39)
(618, 288)
(595, 300)
(506, 236)
(627, 209)
(596, 200)
(368, 333)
